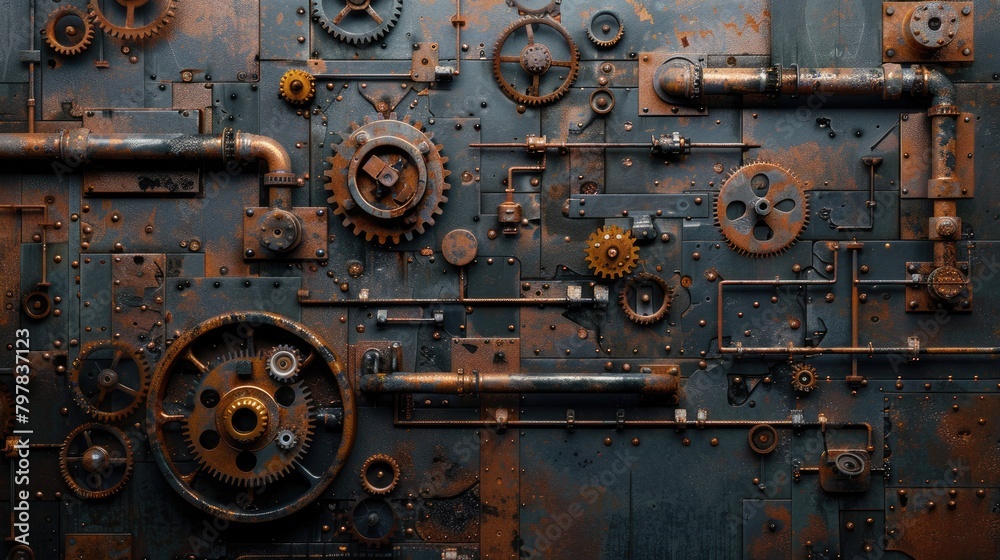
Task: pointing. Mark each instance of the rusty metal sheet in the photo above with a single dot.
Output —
(900, 44)
(138, 295)
(98, 546)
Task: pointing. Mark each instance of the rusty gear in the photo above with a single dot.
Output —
(551, 9)
(604, 39)
(130, 31)
(109, 380)
(96, 460)
(372, 521)
(297, 87)
(387, 180)
(379, 474)
(803, 377)
(284, 363)
(641, 303)
(361, 15)
(761, 209)
(536, 60)
(611, 252)
(238, 413)
(69, 31)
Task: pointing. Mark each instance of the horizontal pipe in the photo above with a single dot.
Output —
(475, 383)
(75, 146)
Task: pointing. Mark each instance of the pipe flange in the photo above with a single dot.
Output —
(228, 145)
(610, 32)
(763, 439)
(943, 111)
(602, 101)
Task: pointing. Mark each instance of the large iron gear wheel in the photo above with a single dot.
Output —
(379, 474)
(238, 411)
(297, 87)
(354, 19)
(803, 377)
(645, 298)
(536, 60)
(387, 180)
(130, 30)
(69, 31)
(109, 380)
(219, 425)
(96, 460)
(611, 252)
(761, 209)
(372, 521)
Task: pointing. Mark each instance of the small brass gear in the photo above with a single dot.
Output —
(611, 252)
(803, 377)
(69, 31)
(297, 87)
(130, 31)
(379, 474)
(96, 460)
(109, 380)
(645, 298)
(761, 209)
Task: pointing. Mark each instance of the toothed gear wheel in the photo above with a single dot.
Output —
(611, 252)
(130, 30)
(379, 474)
(96, 460)
(69, 31)
(206, 425)
(387, 180)
(646, 298)
(803, 377)
(237, 417)
(284, 363)
(372, 521)
(109, 380)
(551, 8)
(358, 22)
(761, 209)
(536, 60)
(611, 29)
(297, 87)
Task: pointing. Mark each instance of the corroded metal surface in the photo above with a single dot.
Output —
(484, 279)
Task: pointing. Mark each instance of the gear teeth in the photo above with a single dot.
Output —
(534, 99)
(757, 248)
(624, 299)
(132, 33)
(74, 485)
(611, 252)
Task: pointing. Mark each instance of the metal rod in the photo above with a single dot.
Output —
(475, 383)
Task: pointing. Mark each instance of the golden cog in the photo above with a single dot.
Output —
(611, 252)
(245, 419)
(297, 87)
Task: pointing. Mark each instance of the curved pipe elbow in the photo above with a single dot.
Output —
(939, 86)
(250, 147)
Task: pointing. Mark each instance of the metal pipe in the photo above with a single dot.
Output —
(474, 383)
(76, 146)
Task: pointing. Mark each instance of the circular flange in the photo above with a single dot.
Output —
(850, 464)
(946, 282)
(763, 438)
(459, 247)
(602, 101)
(37, 304)
(932, 25)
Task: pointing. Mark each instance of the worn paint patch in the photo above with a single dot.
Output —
(640, 11)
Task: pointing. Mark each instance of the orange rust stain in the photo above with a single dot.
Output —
(640, 11)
